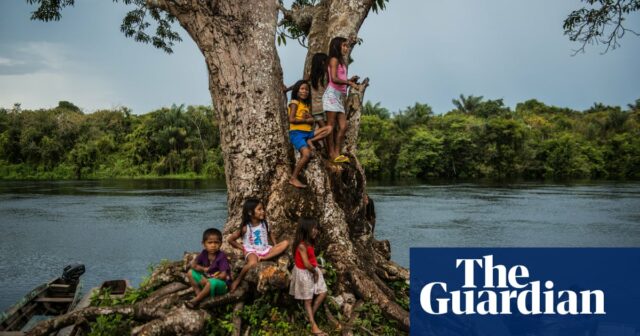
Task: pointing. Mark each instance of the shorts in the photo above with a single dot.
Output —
(217, 287)
(261, 253)
(333, 100)
(302, 286)
(299, 138)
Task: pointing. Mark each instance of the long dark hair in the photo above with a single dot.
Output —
(335, 49)
(296, 88)
(303, 233)
(318, 69)
(247, 212)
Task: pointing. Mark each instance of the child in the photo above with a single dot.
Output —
(318, 79)
(255, 233)
(306, 277)
(210, 272)
(334, 95)
(301, 133)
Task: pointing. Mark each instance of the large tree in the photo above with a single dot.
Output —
(238, 42)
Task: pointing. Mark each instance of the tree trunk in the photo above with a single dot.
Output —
(237, 40)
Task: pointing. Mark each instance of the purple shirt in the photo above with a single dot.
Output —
(220, 264)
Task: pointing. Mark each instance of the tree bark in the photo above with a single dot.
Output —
(237, 40)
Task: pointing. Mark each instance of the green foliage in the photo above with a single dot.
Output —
(379, 5)
(103, 298)
(401, 290)
(268, 315)
(222, 321)
(370, 109)
(483, 138)
(110, 325)
(413, 115)
(379, 144)
(467, 104)
(421, 155)
(479, 139)
(64, 143)
(372, 322)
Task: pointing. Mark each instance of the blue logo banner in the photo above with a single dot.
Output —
(525, 291)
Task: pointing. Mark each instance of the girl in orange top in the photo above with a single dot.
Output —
(306, 277)
(301, 133)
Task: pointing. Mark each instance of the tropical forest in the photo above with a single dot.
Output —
(478, 138)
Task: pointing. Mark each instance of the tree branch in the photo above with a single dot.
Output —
(591, 26)
(300, 16)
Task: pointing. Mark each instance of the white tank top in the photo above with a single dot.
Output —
(255, 238)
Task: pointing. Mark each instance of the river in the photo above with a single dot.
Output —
(119, 228)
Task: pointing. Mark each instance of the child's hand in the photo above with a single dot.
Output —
(354, 79)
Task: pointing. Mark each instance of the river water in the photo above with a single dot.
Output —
(118, 228)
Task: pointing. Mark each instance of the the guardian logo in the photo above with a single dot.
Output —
(506, 291)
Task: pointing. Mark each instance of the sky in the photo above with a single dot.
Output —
(426, 51)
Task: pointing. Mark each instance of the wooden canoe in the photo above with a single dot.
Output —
(53, 298)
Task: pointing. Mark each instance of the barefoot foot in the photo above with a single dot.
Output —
(296, 183)
(191, 304)
(234, 285)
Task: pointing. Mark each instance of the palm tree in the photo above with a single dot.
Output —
(377, 110)
(468, 104)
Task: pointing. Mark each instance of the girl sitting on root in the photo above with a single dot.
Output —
(255, 234)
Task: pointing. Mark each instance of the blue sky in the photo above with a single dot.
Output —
(414, 51)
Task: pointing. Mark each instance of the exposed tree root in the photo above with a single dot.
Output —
(179, 321)
(236, 296)
(137, 311)
(164, 274)
(368, 289)
(348, 328)
(237, 321)
(335, 324)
